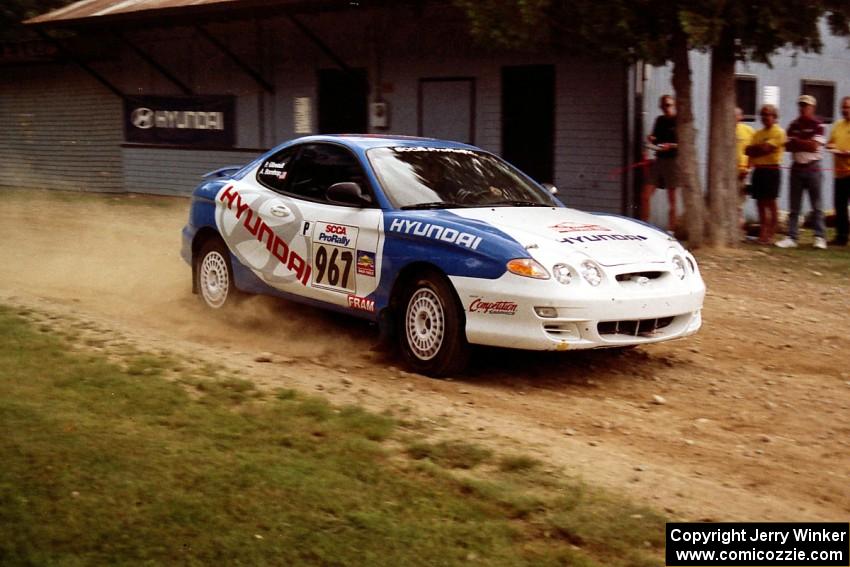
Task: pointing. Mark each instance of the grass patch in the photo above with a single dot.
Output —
(450, 454)
(517, 463)
(113, 464)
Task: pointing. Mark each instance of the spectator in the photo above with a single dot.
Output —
(839, 144)
(743, 138)
(805, 142)
(765, 151)
(663, 173)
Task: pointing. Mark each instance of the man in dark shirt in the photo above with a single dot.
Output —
(805, 142)
(663, 173)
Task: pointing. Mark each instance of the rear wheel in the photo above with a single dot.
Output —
(431, 327)
(214, 275)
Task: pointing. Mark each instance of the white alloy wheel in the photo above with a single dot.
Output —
(214, 279)
(425, 324)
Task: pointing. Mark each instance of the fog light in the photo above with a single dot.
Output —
(546, 312)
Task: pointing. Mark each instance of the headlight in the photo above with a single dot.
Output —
(591, 273)
(679, 267)
(562, 273)
(528, 268)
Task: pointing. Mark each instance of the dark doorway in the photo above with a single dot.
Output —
(343, 101)
(528, 119)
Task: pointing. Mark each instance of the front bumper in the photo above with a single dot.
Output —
(614, 314)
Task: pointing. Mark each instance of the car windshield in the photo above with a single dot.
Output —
(416, 177)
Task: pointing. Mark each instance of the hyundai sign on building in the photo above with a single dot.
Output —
(202, 121)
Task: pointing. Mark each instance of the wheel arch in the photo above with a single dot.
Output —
(387, 319)
(202, 236)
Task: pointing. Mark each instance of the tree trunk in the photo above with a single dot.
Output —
(723, 229)
(686, 161)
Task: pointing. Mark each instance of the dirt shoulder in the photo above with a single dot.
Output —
(749, 420)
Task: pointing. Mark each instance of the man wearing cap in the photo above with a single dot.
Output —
(805, 142)
(839, 144)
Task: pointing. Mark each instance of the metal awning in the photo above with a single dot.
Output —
(100, 12)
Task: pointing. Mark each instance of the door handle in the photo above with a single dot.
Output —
(280, 211)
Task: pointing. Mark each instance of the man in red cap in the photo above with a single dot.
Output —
(806, 139)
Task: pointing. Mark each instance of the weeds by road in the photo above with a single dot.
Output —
(123, 457)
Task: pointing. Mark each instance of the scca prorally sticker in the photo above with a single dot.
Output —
(335, 234)
(259, 239)
(435, 231)
(600, 237)
(333, 256)
(366, 263)
(361, 303)
(573, 226)
(493, 307)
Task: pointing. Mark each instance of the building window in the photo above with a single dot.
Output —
(824, 93)
(745, 96)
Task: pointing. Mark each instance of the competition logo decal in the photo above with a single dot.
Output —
(361, 303)
(366, 263)
(260, 240)
(572, 226)
(436, 232)
(493, 307)
(600, 237)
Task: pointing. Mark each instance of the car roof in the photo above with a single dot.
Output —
(367, 141)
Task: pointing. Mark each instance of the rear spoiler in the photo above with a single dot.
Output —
(223, 171)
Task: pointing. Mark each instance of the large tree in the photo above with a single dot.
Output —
(666, 31)
(746, 31)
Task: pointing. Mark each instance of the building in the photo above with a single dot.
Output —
(146, 96)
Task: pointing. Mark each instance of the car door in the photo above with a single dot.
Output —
(342, 241)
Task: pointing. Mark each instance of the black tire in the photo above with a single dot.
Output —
(214, 275)
(431, 326)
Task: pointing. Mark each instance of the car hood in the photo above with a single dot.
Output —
(609, 240)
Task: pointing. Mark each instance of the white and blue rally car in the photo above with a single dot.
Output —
(442, 244)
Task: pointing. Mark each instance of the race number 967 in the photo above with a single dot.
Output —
(332, 268)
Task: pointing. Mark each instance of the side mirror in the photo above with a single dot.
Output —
(348, 193)
(551, 188)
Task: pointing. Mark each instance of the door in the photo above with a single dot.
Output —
(343, 101)
(528, 119)
(343, 241)
(447, 109)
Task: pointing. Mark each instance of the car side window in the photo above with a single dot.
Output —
(273, 172)
(321, 165)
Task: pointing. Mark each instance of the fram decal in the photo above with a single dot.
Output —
(361, 303)
(572, 226)
(599, 237)
(335, 234)
(493, 307)
(366, 263)
(260, 230)
(436, 232)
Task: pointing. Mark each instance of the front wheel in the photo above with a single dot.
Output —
(214, 275)
(431, 327)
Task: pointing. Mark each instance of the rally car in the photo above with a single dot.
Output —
(441, 244)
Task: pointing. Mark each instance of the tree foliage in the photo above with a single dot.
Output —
(13, 12)
(650, 30)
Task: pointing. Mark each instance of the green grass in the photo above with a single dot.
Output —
(114, 464)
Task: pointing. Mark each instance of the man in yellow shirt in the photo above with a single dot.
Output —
(743, 137)
(839, 144)
(766, 150)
